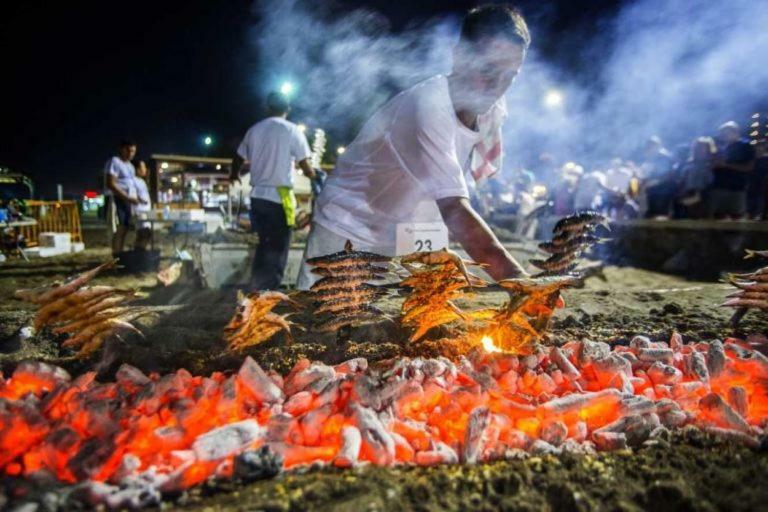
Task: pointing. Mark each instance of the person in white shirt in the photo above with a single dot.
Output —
(144, 206)
(270, 148)
(121, 186)
(407, 165)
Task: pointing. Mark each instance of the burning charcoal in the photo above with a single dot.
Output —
(699, 367)
(279, 427)
(313, 379)
(541, 447)
(299, 403)
(434, 368)
(508, 382)
(170, 436)
(565, 364)
(609, 441)
(661, 373)
(614, 371)
(737, 398)
(413, 432)
(404, 452)
(634, 404)
(40, 376)
(440, 453)
(676, 341)
(91, 456)
(715, 358)
(575, 447)
(258, 464)
(651, 355)
(577, 401)
(478, 423)
(715, 407)
(554, 433)
(350, 447)
(377, 446)
(114, 497)
(129, 465)
(639, 342)
(486, 381)
(733, 435)
(312, 424)
(593, 350)
(367, 392)
(253, 378)
(130, 376)
(356, 365)
(227, 440)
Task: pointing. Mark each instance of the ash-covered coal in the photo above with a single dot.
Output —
(129, 442)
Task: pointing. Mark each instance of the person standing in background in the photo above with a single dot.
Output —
(696, 178)
(120, 177)
(731, 174)
(658, 178)
(757, 191)
(143, 228)
(270, 148)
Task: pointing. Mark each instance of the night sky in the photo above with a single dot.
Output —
(80, 76)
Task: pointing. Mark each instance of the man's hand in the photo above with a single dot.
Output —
(133, 200)
(237, 166)
(307, 169)
(477, 238)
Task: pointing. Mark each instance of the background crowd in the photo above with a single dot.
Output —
(720, 177)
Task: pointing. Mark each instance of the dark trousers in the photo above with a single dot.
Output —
(268, 221)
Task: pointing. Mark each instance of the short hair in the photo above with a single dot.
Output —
(126, 143)
(730, 125)
(278, 103)
(495, 21)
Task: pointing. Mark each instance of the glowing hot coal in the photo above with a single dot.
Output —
(141, 435)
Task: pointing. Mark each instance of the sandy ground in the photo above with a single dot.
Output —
(186, 332)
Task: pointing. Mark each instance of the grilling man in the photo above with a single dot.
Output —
(270, 148)
(407, 166)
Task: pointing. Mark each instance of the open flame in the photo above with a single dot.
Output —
(489, 346)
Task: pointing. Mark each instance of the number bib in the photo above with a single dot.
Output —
(420, 236)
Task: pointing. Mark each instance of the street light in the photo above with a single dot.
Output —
(287, 88)
(302, 127)
(340, 150)
(208, 140)
(553, 99)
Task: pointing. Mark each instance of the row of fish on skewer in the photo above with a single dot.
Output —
(344, 294)
(751, 290)
(89, 315)
(572, 236)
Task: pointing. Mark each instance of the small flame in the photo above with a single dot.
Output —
(488, 344)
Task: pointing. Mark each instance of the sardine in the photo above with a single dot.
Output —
(573, 244)
(579, 221)
(347, 257)
(753, 254)
(557, 263)
(751, 303)
(357, 270)
(543, 285)
(356, 318)
(334, 283)
(49, 294)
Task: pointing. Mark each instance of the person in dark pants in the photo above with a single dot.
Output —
(271, 148)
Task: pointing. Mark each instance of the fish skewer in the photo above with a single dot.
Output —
(752, 290)
(344, 292)
(254, 322)
(51, 293)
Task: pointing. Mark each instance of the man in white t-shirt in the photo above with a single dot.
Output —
(270, 148)
(407, 165)
(121, 187)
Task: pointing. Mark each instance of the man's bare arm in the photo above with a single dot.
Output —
(307, 169)
(476, 237)
(119, 192)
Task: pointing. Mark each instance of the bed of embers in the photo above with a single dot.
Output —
(138, 437)
(131, 441)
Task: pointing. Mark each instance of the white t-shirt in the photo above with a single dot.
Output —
(142, 194)
(271, 147)
(124, 173)
(411, 153)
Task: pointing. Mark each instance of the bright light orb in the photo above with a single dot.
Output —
(340, 150)
(208, 140)
(553, 99)
(287, 88)
(302, 127)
